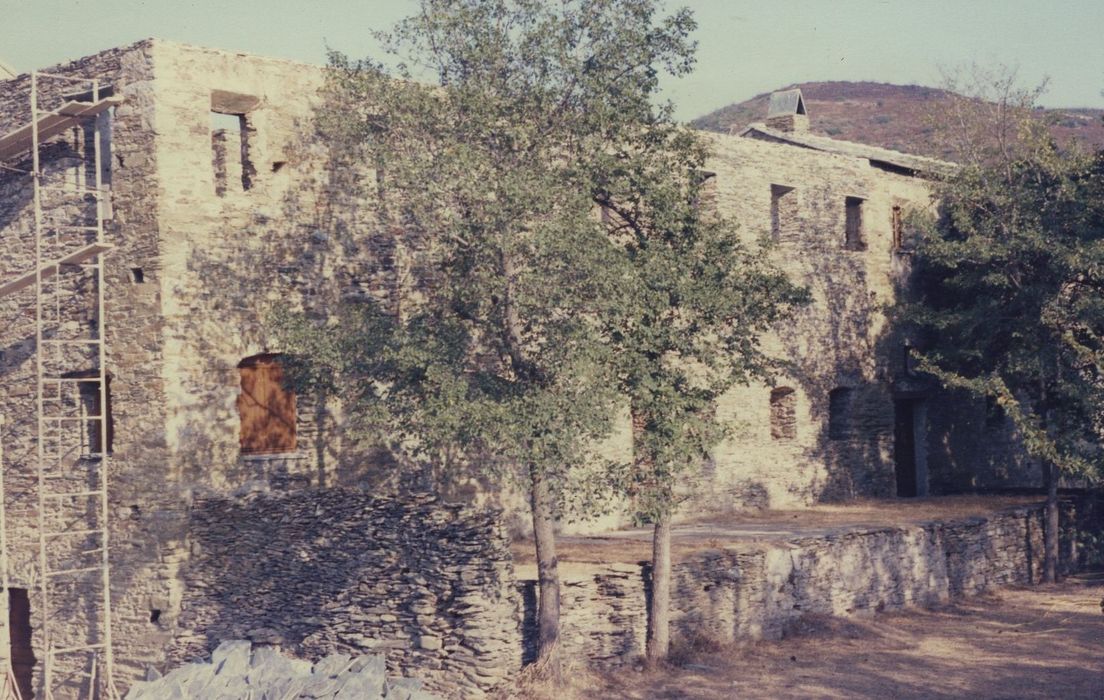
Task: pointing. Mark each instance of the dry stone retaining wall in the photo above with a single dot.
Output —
(757, 591)
(430, 586)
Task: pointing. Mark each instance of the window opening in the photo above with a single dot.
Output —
(840, 410)
(95, 412)
(266, 406)
(21, 648)
(704, 183)
(855, 238)
(898, 228)
(230, 153)
(783, 413)
(783, 210)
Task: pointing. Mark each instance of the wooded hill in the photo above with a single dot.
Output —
(892, 116)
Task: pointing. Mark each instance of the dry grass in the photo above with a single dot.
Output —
(577, 682)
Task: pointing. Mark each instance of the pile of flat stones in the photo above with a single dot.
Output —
(237, 671)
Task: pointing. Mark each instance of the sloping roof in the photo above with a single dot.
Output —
(877, 156)
(6, 71)
(786, 102)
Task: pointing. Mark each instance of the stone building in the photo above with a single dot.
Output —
(220, 205)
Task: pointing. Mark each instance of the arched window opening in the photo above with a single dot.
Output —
(266, 406)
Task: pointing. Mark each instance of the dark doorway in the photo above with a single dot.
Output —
(904, 446)
(19, 629)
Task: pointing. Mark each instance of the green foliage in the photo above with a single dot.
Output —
(485, 133)
(1011, 292)
(698, 301)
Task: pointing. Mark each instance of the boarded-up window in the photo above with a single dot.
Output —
(854, 225)
(840, 413)
(783, 413)
(783, 211)
(266, 407)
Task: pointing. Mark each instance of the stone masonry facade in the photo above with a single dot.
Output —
(225, 206)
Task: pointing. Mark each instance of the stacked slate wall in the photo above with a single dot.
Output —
(429, 585)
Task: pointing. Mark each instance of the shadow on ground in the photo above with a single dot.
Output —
(1023, 643)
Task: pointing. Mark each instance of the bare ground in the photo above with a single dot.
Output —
(752, 528)
(1045, 642)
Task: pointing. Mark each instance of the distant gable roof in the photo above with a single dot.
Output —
(786, 102)
(877, 156)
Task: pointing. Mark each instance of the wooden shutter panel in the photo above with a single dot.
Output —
(266, 407)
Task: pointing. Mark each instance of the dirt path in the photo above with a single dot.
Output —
(1046, 642)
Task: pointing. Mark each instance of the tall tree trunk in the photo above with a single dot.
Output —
(659, 616)
(1050, 527)
(548, 575)
(1050, 480)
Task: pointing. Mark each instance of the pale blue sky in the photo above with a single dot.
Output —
(745, 47)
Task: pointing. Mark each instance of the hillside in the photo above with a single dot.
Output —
(892, 116)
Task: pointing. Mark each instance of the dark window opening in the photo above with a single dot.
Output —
(783, 210)
(98, 423)
(278, 166)
(230, 153)
(783, 413)
(137, 276)
(21, 649)
(155, 616)
(898, 228)
(994, 413)
(266, 406)
(854, 225)
(904, 447)
(704, 188)
(840, 413)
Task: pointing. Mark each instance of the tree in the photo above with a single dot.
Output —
(701, 299)
(499, 347)
(688, 330)
(1009, 280)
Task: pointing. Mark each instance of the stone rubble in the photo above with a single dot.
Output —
(236, 670)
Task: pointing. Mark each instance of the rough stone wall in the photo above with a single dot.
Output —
(429, 585)
(841, 340)
(142, 522)
(757, 591)
(232, 254)
(188, 284)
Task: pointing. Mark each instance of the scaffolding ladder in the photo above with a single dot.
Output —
(73, 431)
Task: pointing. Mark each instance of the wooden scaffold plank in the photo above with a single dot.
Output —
(51, 268)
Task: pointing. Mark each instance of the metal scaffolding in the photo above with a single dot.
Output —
(72, 428)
